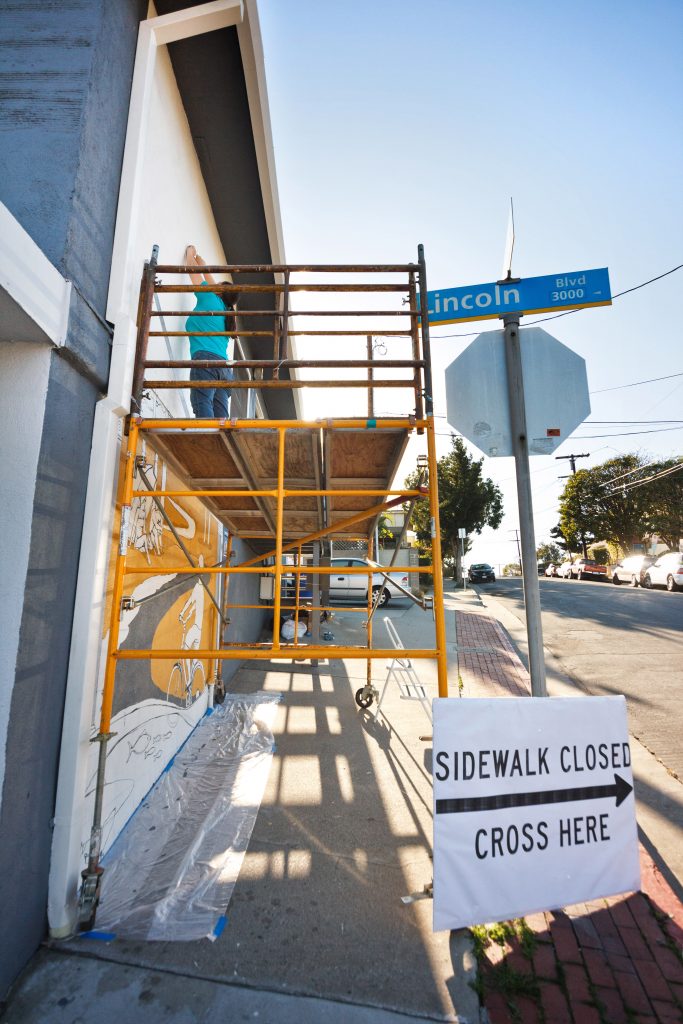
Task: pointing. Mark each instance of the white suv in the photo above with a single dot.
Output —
(352, 586)
(667, 572)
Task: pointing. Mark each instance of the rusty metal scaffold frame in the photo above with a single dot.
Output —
(260, 375)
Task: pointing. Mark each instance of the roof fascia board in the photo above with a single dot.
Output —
(194, 21)
(34, 296)
(253, 64)
(251, 48)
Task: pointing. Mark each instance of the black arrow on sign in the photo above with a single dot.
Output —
(620, 790)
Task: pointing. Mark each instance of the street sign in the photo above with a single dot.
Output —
(526, 295)
(533, 806)
(555, 392)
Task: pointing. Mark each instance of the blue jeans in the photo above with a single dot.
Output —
(210, 403)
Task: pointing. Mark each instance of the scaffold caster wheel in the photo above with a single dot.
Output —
(363, 699)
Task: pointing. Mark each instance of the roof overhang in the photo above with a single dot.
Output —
(34, 297)
(220, 74)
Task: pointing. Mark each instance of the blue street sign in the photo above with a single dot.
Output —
(528, 295)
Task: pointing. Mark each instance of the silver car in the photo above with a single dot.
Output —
(629, 569)
(346, 586)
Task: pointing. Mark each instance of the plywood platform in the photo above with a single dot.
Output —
(245, 459)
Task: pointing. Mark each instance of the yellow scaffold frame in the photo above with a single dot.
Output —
(264, 652)
(421, 421)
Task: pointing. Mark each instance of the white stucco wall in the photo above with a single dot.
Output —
(24, 371)
(175, 211)
(165, 205)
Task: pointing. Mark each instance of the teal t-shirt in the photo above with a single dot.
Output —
(217, 346)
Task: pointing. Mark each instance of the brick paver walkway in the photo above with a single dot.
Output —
(609, 961)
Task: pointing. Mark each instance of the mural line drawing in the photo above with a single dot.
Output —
(147, 746)
(147, 523)
(120, 791)
(147, 520)
(188, 672)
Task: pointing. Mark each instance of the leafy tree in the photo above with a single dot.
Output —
(549, 553)
(466, 500)
(591, 505)
(620, 504)
(568, 542)
(386, 534)
(666, 503)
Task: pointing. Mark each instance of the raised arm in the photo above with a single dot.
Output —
(193, 259)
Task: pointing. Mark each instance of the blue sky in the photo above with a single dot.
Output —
(396, 123)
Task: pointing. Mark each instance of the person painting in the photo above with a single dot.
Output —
(209, 403)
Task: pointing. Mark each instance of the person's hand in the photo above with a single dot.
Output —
(190, 254)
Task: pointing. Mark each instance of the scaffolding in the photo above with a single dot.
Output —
(286, 486)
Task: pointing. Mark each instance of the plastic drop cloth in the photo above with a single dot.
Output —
(171, 872)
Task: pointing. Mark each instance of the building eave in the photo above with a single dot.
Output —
(34, 296)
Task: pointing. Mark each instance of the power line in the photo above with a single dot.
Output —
(628, 423)
(637, 383)
(568, 312)
(627, 433)
(648, 479)
(622, 476)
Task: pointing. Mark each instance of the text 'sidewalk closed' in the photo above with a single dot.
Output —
(533, 806)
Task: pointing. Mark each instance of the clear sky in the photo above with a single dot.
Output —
(397, 123)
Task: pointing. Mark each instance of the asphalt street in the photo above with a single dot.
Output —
(612, 640)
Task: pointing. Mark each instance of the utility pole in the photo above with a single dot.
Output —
(525, 538)
(572, 462)
(519, 553)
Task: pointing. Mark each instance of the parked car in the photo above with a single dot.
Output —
(564, 571)
(667, 572)
(584, 568)
(552, 569)
(629, 569)
(351, 586)
(481, 572)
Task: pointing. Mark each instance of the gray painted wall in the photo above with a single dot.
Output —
(65, 77)
(245, 625)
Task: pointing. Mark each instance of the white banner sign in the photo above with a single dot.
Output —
(533, 806)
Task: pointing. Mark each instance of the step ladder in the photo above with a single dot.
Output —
(400, 670)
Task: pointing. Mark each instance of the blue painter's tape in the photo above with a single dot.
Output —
(100, 936)
(220, 925)
(371, 423)
(209, 711)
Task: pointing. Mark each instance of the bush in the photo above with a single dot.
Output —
(512, 569)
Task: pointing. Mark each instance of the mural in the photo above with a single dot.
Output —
(156, 703)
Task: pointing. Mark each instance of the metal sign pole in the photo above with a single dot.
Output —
(532, 595)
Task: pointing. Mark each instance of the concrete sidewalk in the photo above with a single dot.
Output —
(317, 928)
(604, 962)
